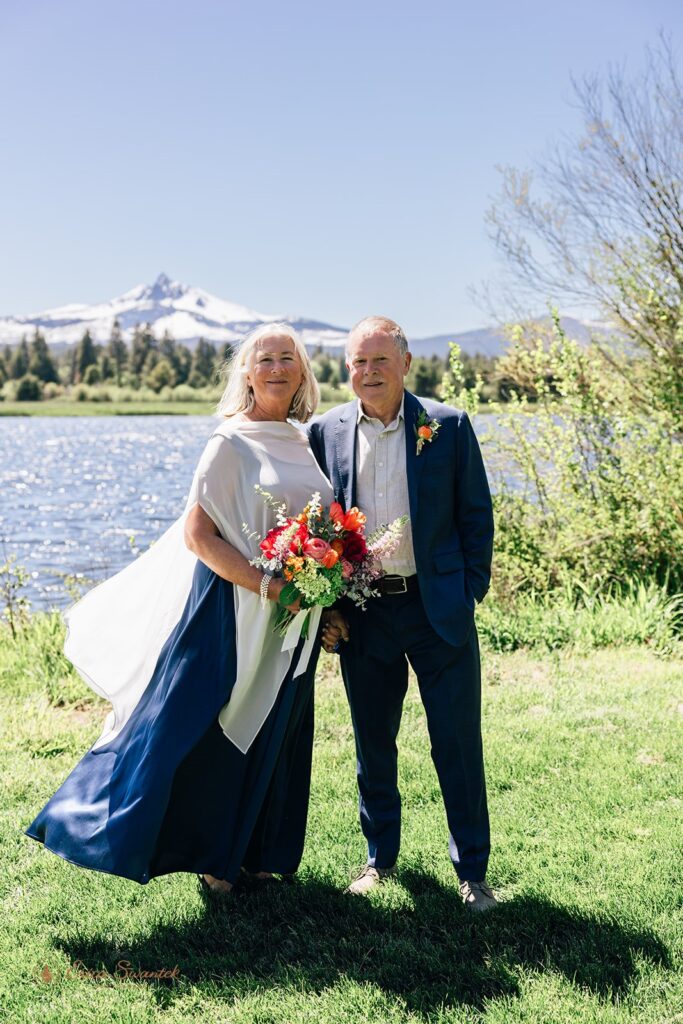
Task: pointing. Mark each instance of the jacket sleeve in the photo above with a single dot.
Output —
(473, 509)
(315, 440)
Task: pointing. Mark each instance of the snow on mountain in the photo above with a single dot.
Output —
(187, 313)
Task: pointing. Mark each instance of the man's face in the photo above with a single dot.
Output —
(377, 371)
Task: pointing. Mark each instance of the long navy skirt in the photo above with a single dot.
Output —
(171, 792)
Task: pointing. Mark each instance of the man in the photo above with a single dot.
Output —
(391, 454)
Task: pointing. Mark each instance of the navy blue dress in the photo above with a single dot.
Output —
(171, 792)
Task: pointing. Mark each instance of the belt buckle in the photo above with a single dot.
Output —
(394, 582)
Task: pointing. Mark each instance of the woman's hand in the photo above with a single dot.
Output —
(275, 588)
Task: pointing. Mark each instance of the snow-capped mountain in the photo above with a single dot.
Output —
(187, 313)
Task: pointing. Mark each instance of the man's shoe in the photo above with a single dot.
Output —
(478, 897)
(368, 878)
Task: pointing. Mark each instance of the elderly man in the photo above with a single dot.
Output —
(392, 454)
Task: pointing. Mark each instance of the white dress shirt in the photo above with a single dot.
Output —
(382, 484)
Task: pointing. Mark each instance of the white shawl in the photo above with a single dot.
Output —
(117, 630)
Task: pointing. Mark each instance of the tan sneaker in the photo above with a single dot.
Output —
(478, 897)
(368, 878)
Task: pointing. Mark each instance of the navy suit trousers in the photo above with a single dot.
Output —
(392, 632)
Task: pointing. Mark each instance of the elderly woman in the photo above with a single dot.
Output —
(204, 762)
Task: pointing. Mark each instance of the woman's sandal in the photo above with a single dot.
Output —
(213, 891)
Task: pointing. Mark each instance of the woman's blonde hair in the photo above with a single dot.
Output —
(238, 396)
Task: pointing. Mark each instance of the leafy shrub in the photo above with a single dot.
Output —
(596, 487)
(29, 389)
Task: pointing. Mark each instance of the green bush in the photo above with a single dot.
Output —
(29, 389)
(593, 486)
(52, 390)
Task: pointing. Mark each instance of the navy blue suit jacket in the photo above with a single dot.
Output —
(450, 505)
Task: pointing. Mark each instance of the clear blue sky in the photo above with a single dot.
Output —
(323, 159)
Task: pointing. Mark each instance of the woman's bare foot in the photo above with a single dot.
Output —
(219, 885)
(257, 876)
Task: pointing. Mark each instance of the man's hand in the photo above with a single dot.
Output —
(335, 629)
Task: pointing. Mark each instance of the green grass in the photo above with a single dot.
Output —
(584, 779)
(59, 407)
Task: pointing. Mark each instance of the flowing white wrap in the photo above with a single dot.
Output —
(116, 632)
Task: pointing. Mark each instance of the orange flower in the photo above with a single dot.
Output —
(336, 512)
(353, 519)
(425, 432)
(295, 564)
(338, 546)
(331, 558)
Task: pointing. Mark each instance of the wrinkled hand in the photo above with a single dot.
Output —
(335, 629)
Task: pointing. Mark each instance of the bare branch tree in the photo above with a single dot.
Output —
(606, 227)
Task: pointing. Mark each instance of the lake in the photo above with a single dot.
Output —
(82, 496)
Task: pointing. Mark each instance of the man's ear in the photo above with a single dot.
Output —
(408, 361)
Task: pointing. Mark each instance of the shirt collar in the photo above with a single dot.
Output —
(361, 415)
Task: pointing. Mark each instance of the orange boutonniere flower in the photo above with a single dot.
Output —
(425, 430)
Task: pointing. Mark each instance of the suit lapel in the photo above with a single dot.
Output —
(345, 447)
(414, 462)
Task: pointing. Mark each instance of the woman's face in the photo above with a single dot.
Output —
(275, 372)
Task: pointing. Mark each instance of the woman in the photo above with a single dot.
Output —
(204, 762)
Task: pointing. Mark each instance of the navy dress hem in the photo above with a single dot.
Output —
(171, 792)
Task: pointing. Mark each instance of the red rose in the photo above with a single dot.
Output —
(355, 547)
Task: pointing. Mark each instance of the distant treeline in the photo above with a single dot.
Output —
(31, 371)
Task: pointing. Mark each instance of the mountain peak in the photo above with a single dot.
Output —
(165, 288)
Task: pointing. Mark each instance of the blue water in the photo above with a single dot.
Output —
(80, 496)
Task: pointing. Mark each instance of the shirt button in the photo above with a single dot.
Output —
(380, 494)
(380, 463)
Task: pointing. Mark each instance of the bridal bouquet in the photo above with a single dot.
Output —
(323, 555)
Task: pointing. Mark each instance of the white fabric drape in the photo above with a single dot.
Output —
(117, 630)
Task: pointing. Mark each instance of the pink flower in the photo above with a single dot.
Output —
(316, 548)
(347, 569)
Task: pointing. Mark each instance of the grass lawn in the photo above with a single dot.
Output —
(58, 407)
(584, 777)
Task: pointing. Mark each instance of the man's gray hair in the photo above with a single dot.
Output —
(370, 324)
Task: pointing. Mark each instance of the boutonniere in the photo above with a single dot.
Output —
(425, 431)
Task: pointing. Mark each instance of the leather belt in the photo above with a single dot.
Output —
(389, 585)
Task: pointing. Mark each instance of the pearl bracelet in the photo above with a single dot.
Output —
(263, 589)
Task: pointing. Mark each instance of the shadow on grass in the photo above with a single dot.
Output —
(309, 935)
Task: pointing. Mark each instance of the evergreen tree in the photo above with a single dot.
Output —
(72, 363)
(183, 364)
(117, 352)
(203, 364)
(106, 367)
(21, 357)
(143, 343)
(86, 355)
(6, 360)
(41, 363)
(225, 353)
